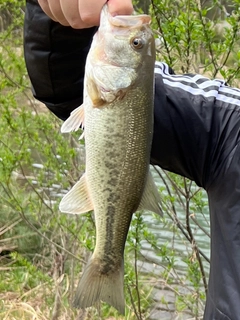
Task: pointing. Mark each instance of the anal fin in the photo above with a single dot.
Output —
(151, 199)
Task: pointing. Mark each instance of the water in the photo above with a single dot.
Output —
(155, 264)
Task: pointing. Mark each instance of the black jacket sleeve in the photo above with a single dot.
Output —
(196, 124)
(55, 58)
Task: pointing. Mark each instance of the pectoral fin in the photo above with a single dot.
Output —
(94, 93)
(77, 200)
(151, 199)
(75, 120)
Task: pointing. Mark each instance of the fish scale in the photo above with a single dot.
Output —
(116, 169)
(117, 114)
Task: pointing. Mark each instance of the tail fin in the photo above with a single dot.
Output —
(96, 285)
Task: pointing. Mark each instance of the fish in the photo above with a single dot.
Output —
(117, 118)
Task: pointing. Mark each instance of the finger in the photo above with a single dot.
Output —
(120, 7)
(45, 7)
(57, 12)
(71, 12)
(90, 11)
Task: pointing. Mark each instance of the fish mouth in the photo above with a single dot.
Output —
(124, 21)
(129, 21)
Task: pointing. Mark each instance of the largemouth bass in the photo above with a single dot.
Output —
(117, 115)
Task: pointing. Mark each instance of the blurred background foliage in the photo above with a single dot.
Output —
(42, 251)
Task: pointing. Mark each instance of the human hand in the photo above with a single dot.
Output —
(81, 14)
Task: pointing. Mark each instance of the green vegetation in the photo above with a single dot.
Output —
(42, 251)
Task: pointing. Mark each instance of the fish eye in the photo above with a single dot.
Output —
(137, 43)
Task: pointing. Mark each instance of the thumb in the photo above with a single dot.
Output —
(120, 7)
